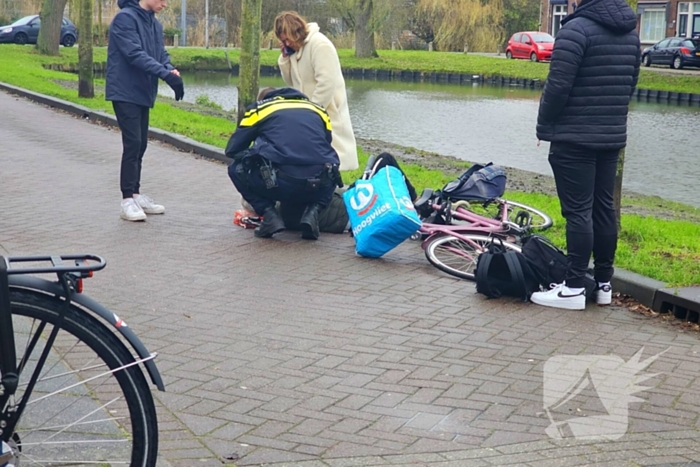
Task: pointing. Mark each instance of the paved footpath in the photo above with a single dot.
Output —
(303, 354)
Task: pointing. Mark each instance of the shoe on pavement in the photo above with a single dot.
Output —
(309, 223)
(148, 206)
(560, 296)
(271, 224)
(603, 293)
(131, 211)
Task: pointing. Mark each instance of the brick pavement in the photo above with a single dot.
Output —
(288, 352)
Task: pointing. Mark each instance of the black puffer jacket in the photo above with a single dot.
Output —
(593, 74)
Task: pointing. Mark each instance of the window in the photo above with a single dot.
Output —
(653, 25)
(516, 38)
(675, 43)
(526, 39)
(664, 43)
(682, 28)
(542, 38)
(558, 14)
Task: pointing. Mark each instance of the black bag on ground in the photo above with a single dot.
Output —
(478, 183)
(549, 262)
(504, 272)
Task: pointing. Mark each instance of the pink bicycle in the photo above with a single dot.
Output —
(455, 233)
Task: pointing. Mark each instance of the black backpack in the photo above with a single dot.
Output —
(549, 262)
(504, 272)
(478, 183)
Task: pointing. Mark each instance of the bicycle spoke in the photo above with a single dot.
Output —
(111, 372)
(57, 427)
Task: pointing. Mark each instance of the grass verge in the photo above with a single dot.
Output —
(664, 249)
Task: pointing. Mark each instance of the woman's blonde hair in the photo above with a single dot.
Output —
(292, 25)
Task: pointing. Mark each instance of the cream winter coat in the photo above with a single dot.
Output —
(315, 70)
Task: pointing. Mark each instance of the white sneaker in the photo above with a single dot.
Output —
(603, 293)
(560, 296)
(148, 206)
(131, 211)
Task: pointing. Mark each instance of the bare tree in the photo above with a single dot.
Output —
(365, 19)
(364, 29)
(250, 55)
(86, 86)
(50, 33)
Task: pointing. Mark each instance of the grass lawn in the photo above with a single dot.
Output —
(667, 250)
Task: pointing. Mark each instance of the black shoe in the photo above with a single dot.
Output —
(309, 223)
(272, 223)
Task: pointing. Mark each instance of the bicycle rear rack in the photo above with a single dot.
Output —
(83, 264)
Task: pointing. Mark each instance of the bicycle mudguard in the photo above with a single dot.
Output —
(53, 288)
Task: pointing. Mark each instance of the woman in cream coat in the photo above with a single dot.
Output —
(309, 63)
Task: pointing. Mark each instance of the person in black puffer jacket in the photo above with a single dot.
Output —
(583, 113)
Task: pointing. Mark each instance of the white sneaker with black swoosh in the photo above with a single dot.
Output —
(603, 293)
(560, 296)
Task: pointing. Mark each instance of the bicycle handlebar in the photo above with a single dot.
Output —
(79, 264)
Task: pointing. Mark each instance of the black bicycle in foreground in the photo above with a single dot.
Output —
(72, 391)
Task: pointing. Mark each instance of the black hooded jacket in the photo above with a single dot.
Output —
(287, 129)
(136, 56)
(593, 74)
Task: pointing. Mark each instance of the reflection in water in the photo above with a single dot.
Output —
(480, 123)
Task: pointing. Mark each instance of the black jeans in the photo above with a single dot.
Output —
(585, 182)
(133, 123)
(252, 188)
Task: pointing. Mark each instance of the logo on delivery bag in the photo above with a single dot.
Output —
(363, 199)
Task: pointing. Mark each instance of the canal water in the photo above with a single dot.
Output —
(483, 123)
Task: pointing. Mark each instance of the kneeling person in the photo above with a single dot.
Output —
(291, 159)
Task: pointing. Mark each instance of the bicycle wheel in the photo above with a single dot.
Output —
(458, 257)
(86, 408)
(538, 220)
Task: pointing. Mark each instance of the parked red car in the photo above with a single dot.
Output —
(536, 46)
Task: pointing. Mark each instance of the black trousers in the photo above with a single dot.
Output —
(585, 182)
(252, 188)
(133, 123)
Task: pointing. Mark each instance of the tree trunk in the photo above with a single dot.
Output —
(100, 31)
(249, 76)
(86, 87)
(50, 33)
(617, 193)
(364, 30)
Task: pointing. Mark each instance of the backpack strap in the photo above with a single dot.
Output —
(516, 272)
(482, 275)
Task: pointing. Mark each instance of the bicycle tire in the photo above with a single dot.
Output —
(131, 426)
(453, 263)
(546, 220)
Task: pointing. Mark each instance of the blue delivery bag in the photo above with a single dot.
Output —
(381, 212)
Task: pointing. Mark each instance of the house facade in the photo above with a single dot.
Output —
(655, 19)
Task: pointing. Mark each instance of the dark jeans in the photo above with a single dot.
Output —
(133, 123)
(252, 188)
(585, 182)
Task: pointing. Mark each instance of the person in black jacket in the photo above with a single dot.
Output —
(291, 159)
(136, 58)
(583, 112)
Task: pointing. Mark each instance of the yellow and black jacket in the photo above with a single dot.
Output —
(287, 129)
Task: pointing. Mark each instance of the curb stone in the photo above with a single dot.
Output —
(641, 288)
